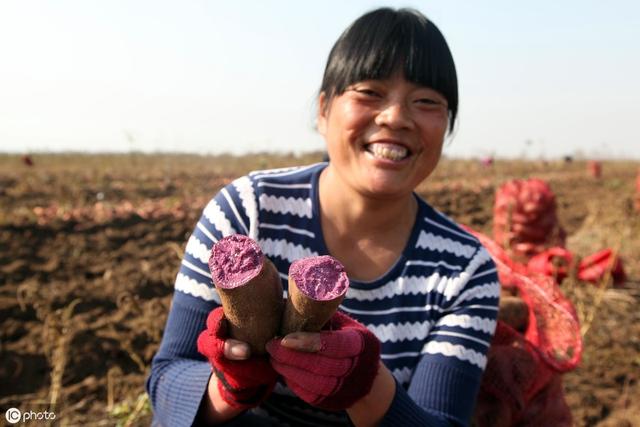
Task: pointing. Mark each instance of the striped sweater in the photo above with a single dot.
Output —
(434, 311)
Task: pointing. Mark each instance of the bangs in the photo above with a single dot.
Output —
(386, 41)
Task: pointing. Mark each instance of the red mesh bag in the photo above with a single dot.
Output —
(594, 268)
(554, 262)
(595, 168)
(522, 380)
(553, 328)
(518, 387)
(524, 218)
(558, 263)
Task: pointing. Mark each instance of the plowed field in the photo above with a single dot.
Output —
(90, 245)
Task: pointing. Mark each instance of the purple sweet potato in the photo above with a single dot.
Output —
(250, 290)
(317, 286)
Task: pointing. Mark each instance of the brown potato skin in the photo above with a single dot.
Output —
(254, 310)
(514, 312)
(303, 314)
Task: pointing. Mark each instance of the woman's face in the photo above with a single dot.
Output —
(384, 136)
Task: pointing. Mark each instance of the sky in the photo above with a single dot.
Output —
(537, 79)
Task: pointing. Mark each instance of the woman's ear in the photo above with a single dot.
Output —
(321, 118)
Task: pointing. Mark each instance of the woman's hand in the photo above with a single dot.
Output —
(331, 369)
(242, 381)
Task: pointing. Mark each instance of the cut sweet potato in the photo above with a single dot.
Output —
(250, 290)
(317, 286)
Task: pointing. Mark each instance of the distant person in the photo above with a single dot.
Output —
(423, 294)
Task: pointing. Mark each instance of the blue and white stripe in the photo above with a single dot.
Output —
(440, 303)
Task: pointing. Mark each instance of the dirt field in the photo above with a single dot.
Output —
(89, 247)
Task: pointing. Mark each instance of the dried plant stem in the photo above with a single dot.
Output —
(111, 374)
(59, 354)
(126, 345)
(140, 404)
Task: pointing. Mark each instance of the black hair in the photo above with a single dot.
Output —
(384, 41)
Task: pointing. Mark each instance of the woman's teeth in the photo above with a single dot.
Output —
(388, 151)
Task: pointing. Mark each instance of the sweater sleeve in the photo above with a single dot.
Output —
(445, 383)
(405, 412)
(179, 374)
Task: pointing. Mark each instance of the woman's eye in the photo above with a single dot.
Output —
(368, 92)
(428, 101)
(430, 104)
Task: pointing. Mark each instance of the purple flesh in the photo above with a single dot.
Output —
(320, 278)
(234, 261)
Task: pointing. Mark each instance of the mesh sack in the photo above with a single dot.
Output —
(554, 262)
(554, 329)
(547, 407)
(524, 218)
(518, 388)
(596, 267)
(522, 382)
(594, 167)
(517, 384)
(558, 263)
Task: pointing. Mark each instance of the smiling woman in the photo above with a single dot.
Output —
(408, 345)
(388, 94)
(386, 134)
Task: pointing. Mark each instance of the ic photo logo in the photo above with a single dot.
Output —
(13, 415)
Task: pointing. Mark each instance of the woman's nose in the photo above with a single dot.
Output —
(394, 115)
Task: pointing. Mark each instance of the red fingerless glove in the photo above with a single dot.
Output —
(340, 373)
(242, 383)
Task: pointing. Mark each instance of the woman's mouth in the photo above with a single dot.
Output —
(387, 151)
